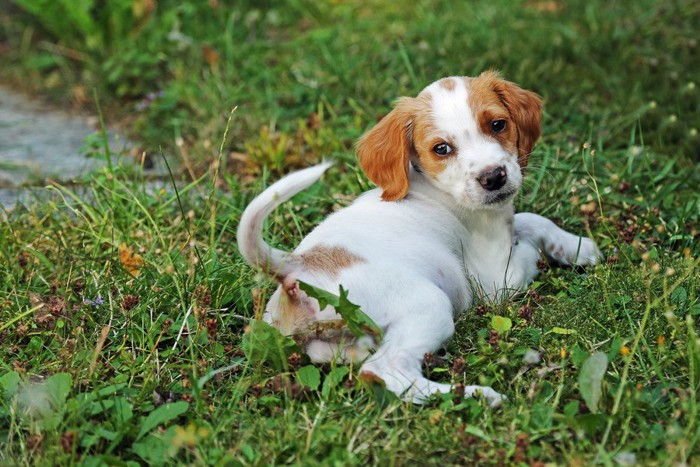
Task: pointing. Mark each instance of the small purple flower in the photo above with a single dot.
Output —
(96, 302)
(148, 100)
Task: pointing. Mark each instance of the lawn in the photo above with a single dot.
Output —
(124, 304)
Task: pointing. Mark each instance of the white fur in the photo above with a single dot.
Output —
(422, 257)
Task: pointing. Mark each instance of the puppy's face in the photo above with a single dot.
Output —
(471, 137)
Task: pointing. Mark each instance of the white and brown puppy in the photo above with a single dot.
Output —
(439, 229)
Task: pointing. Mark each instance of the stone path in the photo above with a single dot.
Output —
(38, 144)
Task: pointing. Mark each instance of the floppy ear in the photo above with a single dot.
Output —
(525, 108)
(384, 151)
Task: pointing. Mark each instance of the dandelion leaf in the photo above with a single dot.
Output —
(590, 379)
(357, 321)
(263, 343)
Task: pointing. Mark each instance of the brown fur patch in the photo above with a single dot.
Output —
(325, 330)
(329, 259)
(492, 98)
(294, 313)
(369, 377)
(447, 83)
(425, 137)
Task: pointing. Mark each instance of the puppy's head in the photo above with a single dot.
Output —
(471, 137)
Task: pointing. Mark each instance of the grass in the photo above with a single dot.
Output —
(123, 305)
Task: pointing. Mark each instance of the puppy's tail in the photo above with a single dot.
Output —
(251, 245)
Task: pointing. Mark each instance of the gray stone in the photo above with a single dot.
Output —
(39, 143)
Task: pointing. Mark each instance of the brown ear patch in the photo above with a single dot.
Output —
(384, 151)
(524, 109)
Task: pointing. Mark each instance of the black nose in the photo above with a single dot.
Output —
(493, 179)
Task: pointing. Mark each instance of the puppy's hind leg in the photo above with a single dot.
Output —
(419, 329)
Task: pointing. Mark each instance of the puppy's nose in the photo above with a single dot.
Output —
(493, 178)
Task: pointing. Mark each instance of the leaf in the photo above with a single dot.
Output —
(162, 415)
(155, 448)
(478, 432)
(591, 423)
(501, 324)
(561, 331)
(122, 410)
(58, 387)
(111, 389)
(695, 310)
(101, 406)
(248, 452)
(9, 382)
(263, 343)
(615, 347)
(45, 402)
(578, 355)
(541, 416)
(590, 379)
(679, 296)
(571, 409)
(204, 379)
(333, 379)
(358, 322)
(309, 376)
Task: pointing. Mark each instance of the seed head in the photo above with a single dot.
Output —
(525, 312)
(494, 338)
(349, 384)
(129, 302)
(67, 440)
(458, 391)
(458, 366)
(294, 360)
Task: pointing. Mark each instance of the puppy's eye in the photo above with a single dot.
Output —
(442, 149)
(498, 125)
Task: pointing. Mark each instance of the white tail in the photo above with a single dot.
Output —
(250, 242)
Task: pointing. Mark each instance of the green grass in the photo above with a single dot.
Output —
(102, 366)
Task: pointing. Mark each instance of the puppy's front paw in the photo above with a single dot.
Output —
(493, 398)
(586, 253)
(574, 251)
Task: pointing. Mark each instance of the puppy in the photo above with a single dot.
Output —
(437, 232)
